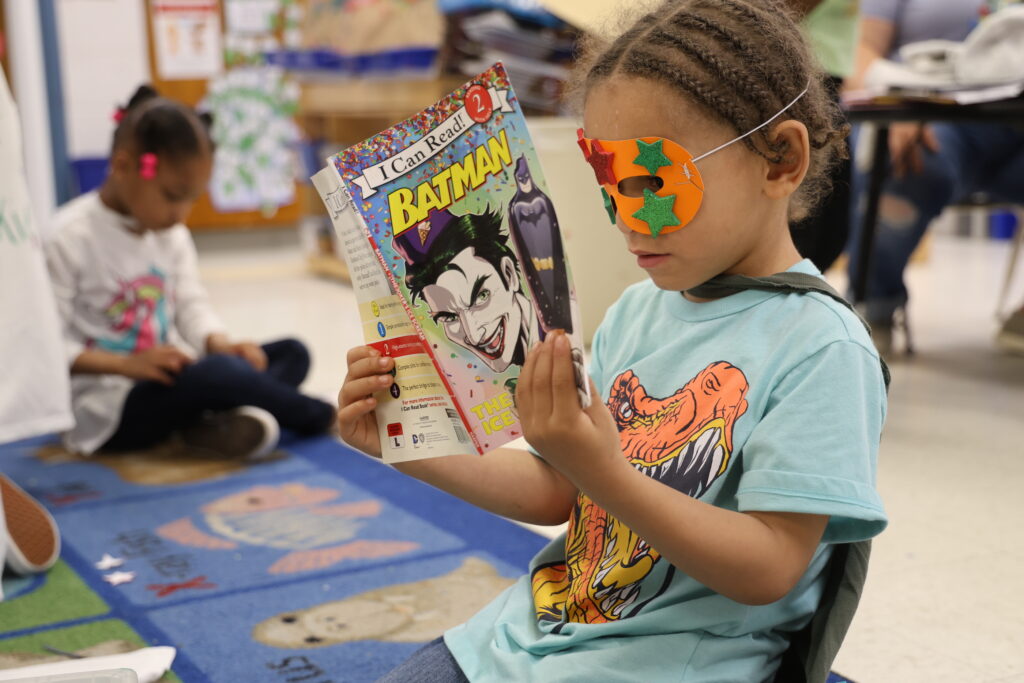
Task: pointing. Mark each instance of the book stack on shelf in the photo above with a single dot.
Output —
(535, 46)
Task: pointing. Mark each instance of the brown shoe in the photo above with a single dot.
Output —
(34, 539)
(246, 433)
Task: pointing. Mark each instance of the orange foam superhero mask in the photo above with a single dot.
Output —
(652, 183)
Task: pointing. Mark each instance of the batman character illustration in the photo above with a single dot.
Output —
(534, 228)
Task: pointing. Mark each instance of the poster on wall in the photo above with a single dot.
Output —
(187, 39)
(251, 16)
(255, 163)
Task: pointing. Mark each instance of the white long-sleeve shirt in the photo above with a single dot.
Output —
(122, 292)
(34, 394)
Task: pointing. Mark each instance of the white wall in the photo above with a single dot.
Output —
(28, 81)
(601, 265)
(103, 58)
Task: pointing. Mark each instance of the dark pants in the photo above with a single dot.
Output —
(432, 663)
(972, 157)
(220, 382)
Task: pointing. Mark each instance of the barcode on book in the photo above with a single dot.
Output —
(460, 433)
(452, 415)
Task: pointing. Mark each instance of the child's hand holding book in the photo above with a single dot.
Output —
(578, 442)
(368, 373)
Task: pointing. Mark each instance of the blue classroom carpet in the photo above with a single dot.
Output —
(321, 565)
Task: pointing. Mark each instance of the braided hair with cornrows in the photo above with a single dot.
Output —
(741, 61)
(154, 124)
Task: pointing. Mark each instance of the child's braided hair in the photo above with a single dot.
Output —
(162, 126)
(741, 61)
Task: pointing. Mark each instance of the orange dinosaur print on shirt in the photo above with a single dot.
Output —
(684, 441)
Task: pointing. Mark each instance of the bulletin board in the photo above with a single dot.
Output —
(192, 91)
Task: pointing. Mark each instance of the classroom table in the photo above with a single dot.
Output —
(1009, 111)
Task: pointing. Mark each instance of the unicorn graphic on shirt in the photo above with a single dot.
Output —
(138, 312)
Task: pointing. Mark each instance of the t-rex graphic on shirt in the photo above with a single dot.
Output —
(684, 441)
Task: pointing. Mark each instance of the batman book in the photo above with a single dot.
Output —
(456, 258)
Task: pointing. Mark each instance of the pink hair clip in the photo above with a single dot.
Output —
(147, 166)
(118, 114)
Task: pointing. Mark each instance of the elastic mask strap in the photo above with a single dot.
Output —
(754, 130)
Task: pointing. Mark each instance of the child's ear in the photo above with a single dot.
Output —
(121, 163)
(784, 178)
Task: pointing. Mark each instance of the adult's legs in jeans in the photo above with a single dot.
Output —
(1004, 179)
(219, 382)
(905, 209)
(963, 165)
(432, 663)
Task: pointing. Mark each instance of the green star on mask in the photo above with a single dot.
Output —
(608, 206)
(651, 157)
(658, 212)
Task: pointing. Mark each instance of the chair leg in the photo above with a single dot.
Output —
(1011, 268)
(901, 322)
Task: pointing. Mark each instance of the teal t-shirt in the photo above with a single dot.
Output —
(757, 401)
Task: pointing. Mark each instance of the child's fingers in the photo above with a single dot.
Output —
(524, 385)
(357, 389)
(368, 366)
(160, 375)
(357, 353)
(565, 401)
(181, 362)
(597, 411)
(169, 363)
(351, 413)
(174, 353)
(256, 357)
(540, 389)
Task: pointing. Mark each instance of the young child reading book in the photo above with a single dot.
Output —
(737, 438)
(124, 271)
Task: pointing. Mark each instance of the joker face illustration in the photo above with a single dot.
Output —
(476, 308)
(464, 270)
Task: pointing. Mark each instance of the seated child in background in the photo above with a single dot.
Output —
(737, 438)
(124, 271)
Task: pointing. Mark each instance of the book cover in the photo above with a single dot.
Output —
(469, 271)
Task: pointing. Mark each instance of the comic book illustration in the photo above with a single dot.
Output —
(456, 256)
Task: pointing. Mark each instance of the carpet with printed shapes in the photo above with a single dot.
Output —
(318, 565)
